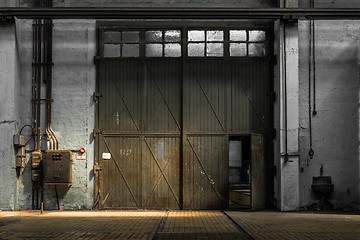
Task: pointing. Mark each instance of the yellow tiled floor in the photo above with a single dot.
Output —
(177, 225)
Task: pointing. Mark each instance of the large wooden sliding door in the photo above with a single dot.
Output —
(170, 99)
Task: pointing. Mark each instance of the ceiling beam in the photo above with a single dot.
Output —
(181, 13)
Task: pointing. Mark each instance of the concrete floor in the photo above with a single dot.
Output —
(178, 225)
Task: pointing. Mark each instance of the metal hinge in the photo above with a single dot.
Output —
(96, 59)
(274, 60)
(274, 170)
(273, 133)
(96, 96)
(272, 96)
(97, 168)
(96, 131)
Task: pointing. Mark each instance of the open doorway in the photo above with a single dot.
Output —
(240, 172)
(247, 174)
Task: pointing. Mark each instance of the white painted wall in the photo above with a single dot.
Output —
(335, 127)
(289, 117)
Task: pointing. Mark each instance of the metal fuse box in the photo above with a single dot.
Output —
(36, 166)
(57, 167)
(19, 140)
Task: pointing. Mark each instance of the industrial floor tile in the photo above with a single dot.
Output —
(298, 225)
(178, 225)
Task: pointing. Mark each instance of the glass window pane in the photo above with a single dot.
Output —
(111, 50)
(172, 36)
(196, 36)
(154, 50)
(153, 36)
(257, 50)
(196, 50)
(256, 36)
(112, 37)
(130, 37)
(130, 50)
(238, 35)
(214, 36)
(214, 50)
(238, 49)
(172, 50)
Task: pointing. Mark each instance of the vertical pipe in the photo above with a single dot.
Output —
(314, 68)
(48, 77)
(311, 64)
(38, 77)
(285, 95)
(33, 84)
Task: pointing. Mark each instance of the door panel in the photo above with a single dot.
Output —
(162, 96)
(121, 174)
(250, 89)
(120, 105)
(205, 145)
(206, 172)
(161, 176)
(139, 116)
(258, 172)
(205, 99)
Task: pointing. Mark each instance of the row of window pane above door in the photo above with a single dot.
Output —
(169, 43)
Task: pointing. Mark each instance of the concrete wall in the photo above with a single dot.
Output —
(9, 113)
(10, 3)
(330, 3)
(73, 107)
(335, 127)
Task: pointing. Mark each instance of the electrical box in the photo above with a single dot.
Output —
(36, 166)
(57, 167)
(19, 140)
(19, 143)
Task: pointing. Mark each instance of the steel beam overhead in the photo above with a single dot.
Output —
(181, 13)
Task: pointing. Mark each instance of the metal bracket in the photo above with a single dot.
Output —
(273, 133)
(96, 131)
(96, 59)
(97, 168)
(272, 96)
(96, 96)
(274, 59)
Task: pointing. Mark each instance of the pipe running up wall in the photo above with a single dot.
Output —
(42, 74)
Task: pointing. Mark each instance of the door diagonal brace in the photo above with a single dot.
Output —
(211, 182)
(162, 173)
(163, 98)
(157, 183)
(121, 172)
(206, 97)
(126, 106)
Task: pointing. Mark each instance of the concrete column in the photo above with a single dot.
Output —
(359, 123)
(8, 114)
(289, 113)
